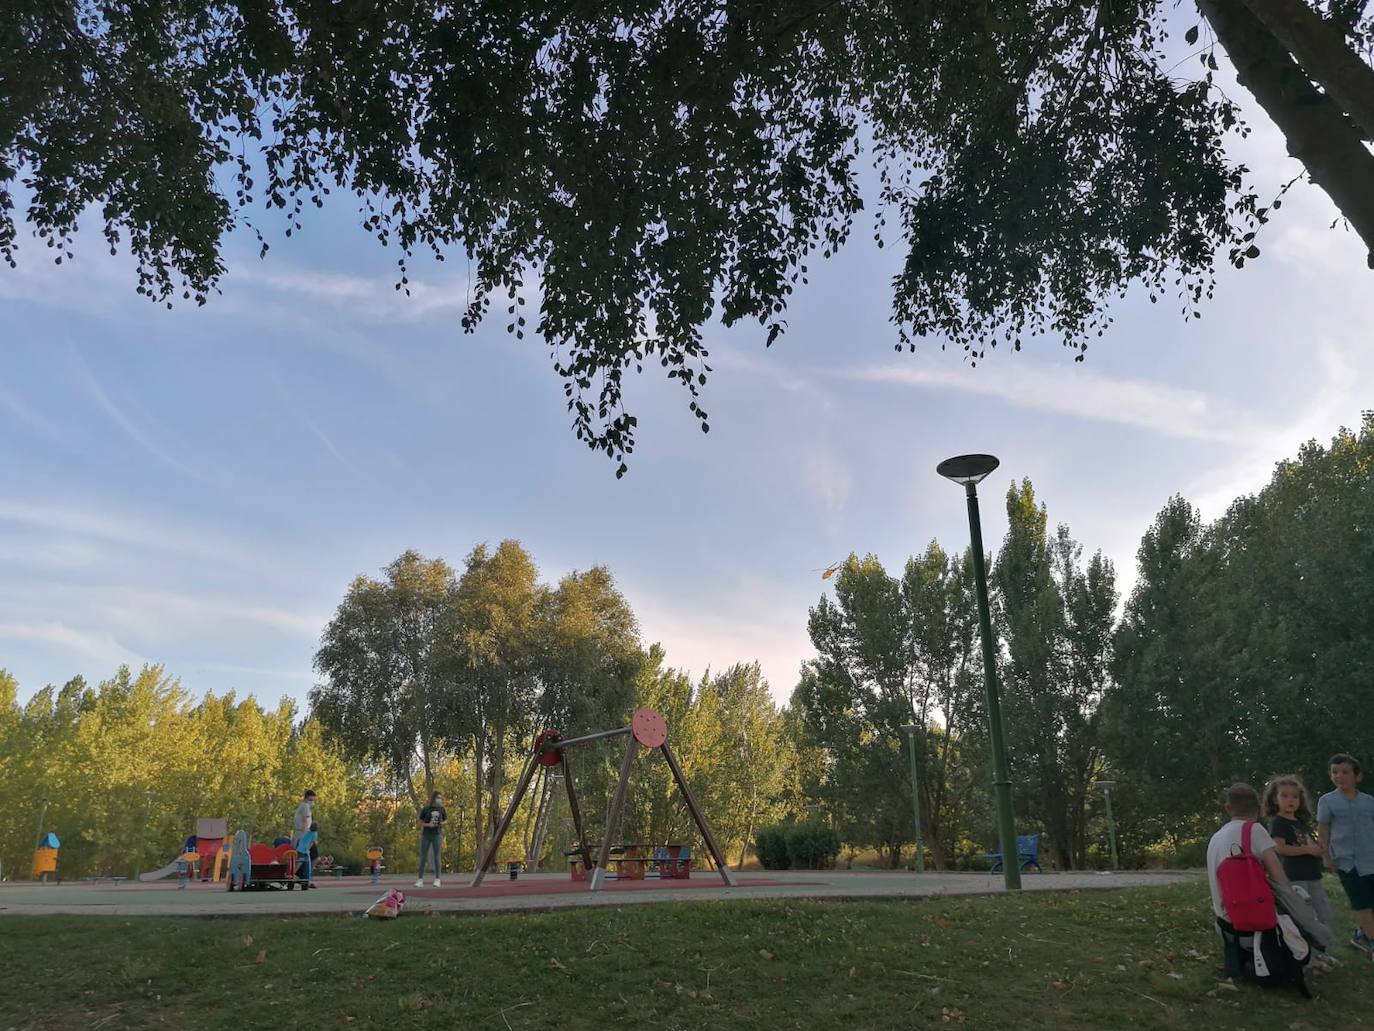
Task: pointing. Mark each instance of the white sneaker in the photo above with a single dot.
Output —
(420, 883)
(436, 882)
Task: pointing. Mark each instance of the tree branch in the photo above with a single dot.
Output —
(1317, 132)
(1320, 47)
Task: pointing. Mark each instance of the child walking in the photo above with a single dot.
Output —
(1346, 819)
(1288, 817)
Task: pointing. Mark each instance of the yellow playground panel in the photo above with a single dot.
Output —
(44, 861)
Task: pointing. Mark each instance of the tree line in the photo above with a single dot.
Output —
(1243, 649)
(430, 680)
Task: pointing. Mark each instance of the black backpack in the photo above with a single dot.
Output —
(1264, 957)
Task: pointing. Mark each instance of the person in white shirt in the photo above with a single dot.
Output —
(1243, 805)
(305, 816)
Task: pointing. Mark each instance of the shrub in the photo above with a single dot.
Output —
(812, 846)
(770, 845)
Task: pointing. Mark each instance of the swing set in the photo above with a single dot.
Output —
(647, 729)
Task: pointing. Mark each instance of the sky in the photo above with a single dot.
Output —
(198, 487)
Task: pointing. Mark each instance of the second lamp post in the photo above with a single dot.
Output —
(911, 729)
(971, 470)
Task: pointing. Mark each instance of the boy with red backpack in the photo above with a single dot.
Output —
(1241, 863)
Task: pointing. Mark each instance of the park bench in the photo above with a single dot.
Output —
(673, 862)
(631, 862)
(113, 878)
(1027, 853)
(669, 862)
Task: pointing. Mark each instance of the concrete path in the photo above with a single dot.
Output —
(533, 891)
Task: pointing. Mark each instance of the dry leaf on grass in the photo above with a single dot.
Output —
(765, 954)
(262, 956)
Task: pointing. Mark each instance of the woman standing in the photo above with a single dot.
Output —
(432, 820)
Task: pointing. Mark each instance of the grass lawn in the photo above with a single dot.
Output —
(1142, 958)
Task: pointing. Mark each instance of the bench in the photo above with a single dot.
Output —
(670, 862)
(114, 878)
(1027, 854)
(674, 862)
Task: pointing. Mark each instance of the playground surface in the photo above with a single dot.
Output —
(531, 892)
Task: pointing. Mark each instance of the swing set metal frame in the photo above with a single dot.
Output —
(647, 729)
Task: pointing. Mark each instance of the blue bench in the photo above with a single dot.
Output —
(1027, 852)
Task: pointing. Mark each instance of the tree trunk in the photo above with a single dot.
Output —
(1320, 47)
(1316, 130)
(935, 850)
(479, 743)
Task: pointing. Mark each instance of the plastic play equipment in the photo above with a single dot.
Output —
(210, 834)
(264, 865)
(647, 728)
(45, 856)
(206, 843)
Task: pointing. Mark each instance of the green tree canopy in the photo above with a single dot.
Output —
(640, 166)
(388, 662)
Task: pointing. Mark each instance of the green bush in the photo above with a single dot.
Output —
(812, 846)
(770, 845)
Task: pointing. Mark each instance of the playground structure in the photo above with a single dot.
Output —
(256, 866)
(45, 857)
(205, 844)
(648, 729)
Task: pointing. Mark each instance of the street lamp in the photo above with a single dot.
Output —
(143, 834)
(1106, 786)
(971, 470)
(911, 729)
(38, 830)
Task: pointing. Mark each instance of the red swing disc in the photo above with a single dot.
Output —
(543, 744)
(649, 727)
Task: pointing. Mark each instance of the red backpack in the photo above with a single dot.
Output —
(1245, 892)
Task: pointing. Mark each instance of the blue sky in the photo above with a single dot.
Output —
(198, 487)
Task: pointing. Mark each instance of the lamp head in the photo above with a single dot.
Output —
(966, 469)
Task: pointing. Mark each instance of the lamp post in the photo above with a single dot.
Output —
(143, 834)
(38, 829)
(911, 729)
(1106, 786)
(971, 470)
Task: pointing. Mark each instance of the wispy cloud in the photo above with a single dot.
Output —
(1080, 393)
(741, 618)
(160, 614)
(260, 671)
(101, 646)
(1338, 400)
(147, 532)
(129, 417)
(373, 299)
(21, 411)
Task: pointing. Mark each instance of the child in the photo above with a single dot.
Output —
(374, 856)
(1288, 815)
(1346, 819)
(1243, 806)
